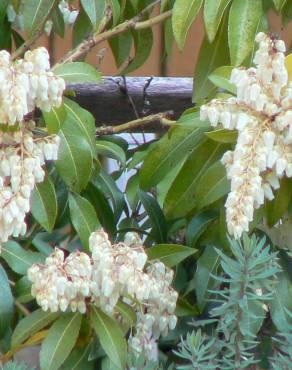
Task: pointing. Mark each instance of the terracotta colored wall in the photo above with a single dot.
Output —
(181, 63)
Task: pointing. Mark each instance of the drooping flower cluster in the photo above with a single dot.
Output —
(69, 15)
(21, 161)
(262, 114)
(111, 273)
(27, 83)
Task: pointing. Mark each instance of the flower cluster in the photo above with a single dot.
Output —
(27, 83)
(21, 161)
(111, 273)
(262, 114)
(68, 14)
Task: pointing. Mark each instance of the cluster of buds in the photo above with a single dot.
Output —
(69, 14)
(113, 272)
(261, 112)
(21, 160)
(26, 84)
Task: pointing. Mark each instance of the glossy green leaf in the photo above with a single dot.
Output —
(223, 136)
(220, 78)
(83, 217)
(213, 14)
(156, 216)
(184, 13)
(77, 72)
(170, 254)
(31, 324)
(22, 290)
(18, 258)
(111, 150)
(110, 336)
(244, 18)
(182, 196)
(116, 10)
(207, 266)
(81, 28)
(35, 13)
(58, 22)
(55, 118)
(212, 186)
(279, 4)
(171, 149)
(60, 340)
(127, 312)
(212, 55)
(121, 47)
(44, 204)
(198, 225)
(78, 360)
(95, 10)
(6, 302)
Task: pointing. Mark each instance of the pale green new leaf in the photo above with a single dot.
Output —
(83, 217)
(223, 136)
(170, 254)
(60, 340)
(184, 13)
(44, 206)
(18, 258)
(77, 72)
(213, 14)
(55, 118)
(111, 150)
(6, 302)
(220, 78)
(110, 336)
(31, 324)
(35, 13)
(244, 18)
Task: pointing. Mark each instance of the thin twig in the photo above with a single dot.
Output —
(21, 307)
(85, 46)
(129, 126)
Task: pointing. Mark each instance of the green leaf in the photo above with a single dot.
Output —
(35, 13)
(121, 47)
(128, 313)
(77, 72)
(3, 8)
(207, 266)
(110, 336)
(252, 318)
(279, 205)
(22, 290)
(220, 78)
(244, 19)
(182, 196)
(223, 136)
(111, 150)
(170, 254)
(156, 216)
(31, 324)
(44, 204)
(171, 149)
(78, 359)
(212, 55)
(75, 158)
(184, 308)
(279, 4)
(55, 118)
(60, 340)
(83, 217)
(18, 258)
(116, 10)
(95, 10)
(213, 14)
(198, 225)
(6, 302)
(58, 22)
(81, 28)
(212, 186)
(184, 13)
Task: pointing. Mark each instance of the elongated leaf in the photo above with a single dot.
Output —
(181, 197)
(198, 225)
(19, 259)
(111, 150)
(31, 324)
(212, 55)
(78, 360)
(116, 10)
(44, 204)
(170, 254)
(184, 308)
(223, 136)
(35, 13)
(58, 22)
(244, 18)
(60, 340)
(110, 336)
(156, 216)
(184, 13)
(279, 4)
(121, 47)
(213, 14)
(3, 8)
(83, 217)
(77, 72)
(94, 10)
(171, 149)
(127, 312)
(212, 186)
(220, 78)
(206, 267)
(6, 302)
(22, 290)
(55, 118)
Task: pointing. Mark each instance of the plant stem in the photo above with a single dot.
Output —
(21, 307)
(129, 126)
(85, 46)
